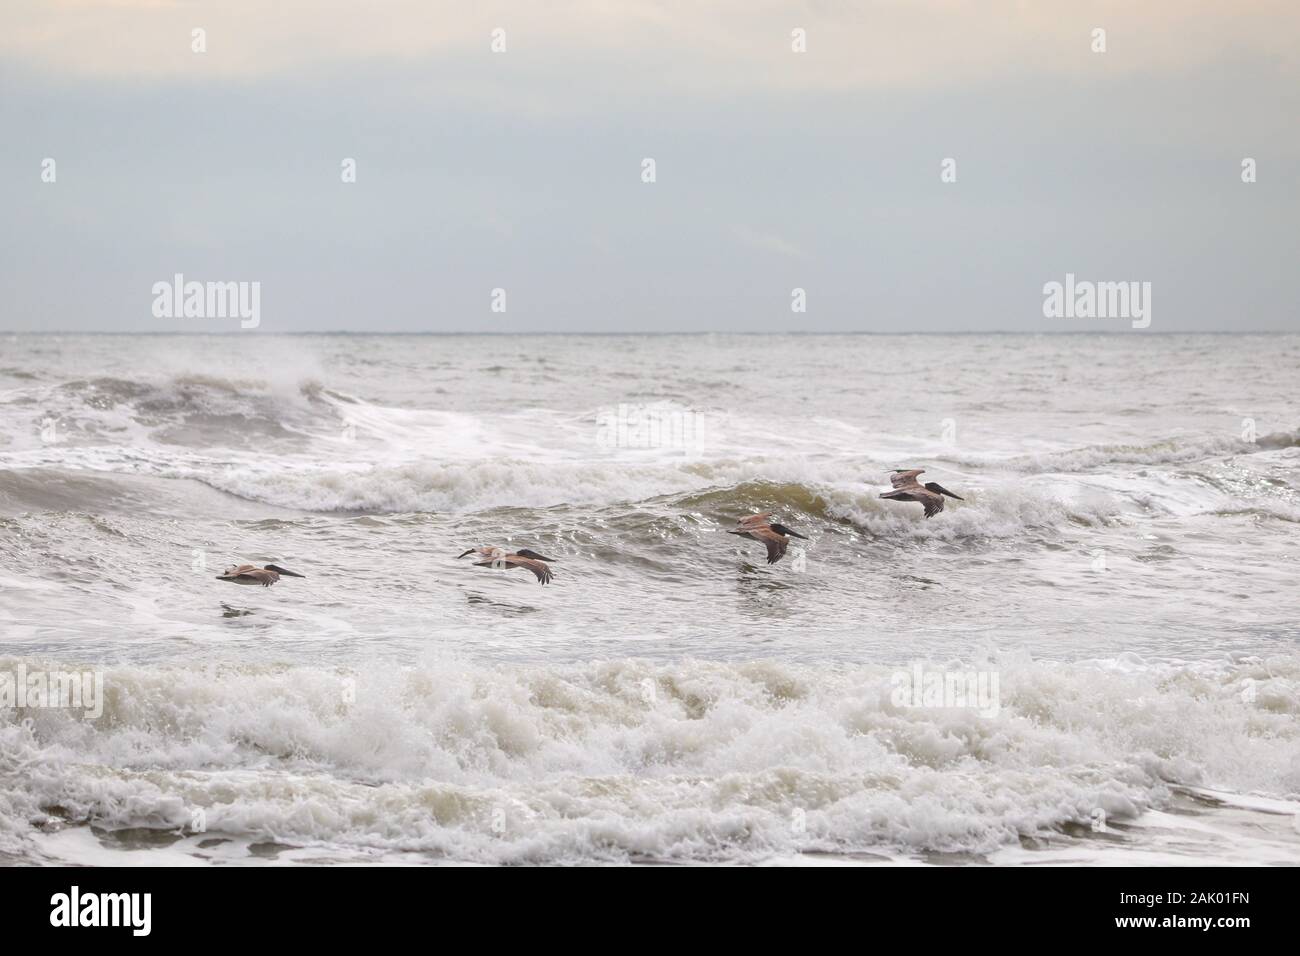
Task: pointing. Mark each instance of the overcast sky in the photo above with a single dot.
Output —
(775, 170)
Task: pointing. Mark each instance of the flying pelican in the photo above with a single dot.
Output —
(907, 488)
(523, 558)
(776, 537)
(249, 574)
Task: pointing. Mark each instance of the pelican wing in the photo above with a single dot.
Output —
(905, 479)
(776, 544)
(749, 522)
(539, 568)
(932, 503)
(247, 574)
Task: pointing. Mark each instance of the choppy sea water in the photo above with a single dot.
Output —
(1124, 566)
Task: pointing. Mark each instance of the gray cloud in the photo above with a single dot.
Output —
(522, 170)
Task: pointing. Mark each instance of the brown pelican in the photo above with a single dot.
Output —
(523, 558)
(907, 488)
(248, 574)
(776, 537)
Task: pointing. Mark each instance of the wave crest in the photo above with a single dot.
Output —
(627, 759)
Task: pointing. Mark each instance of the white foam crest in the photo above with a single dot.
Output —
(629, 758)
(1172, 451)
(992, 509)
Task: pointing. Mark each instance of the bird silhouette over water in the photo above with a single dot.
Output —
(907, 488)
(774, 537)
(523, 558)
(251, 574)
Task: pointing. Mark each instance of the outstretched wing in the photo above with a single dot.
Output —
(905, 479)
(247, 574)
(900, 496)
(775, 544)
(932, 503)
(539, 568)
(750, 522)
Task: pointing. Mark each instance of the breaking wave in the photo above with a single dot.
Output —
(1169, 452)
(627, 759)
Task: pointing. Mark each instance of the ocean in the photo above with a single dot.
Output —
(1091, 658)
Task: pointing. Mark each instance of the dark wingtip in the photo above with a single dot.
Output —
(940, 489)
(528, 553)
(463, 553)
(285, 572)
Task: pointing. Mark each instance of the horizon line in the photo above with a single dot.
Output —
(808, 332)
